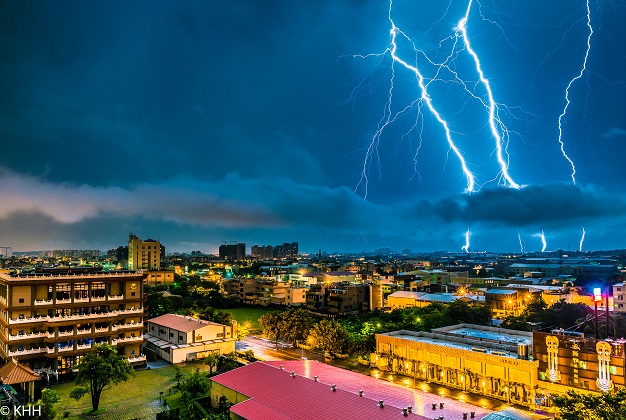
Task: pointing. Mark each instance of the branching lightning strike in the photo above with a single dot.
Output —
(497, 128)
(567, 99)
(521, 243)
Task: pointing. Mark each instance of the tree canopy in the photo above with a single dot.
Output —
(101, 367)
(604, 406)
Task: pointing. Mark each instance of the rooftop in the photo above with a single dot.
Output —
(302, 397)
(180, 322)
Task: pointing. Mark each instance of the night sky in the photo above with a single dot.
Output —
(202, 122)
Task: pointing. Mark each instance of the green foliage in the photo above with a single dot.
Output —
(101, 367)
(330, 336)
(169, 415)
(49, 397)
(211, 361)
(196, 385)
(515, 323)
(291, 325)
(178, 375)
(215, 315)
(223, 406)
(228, 362)
(604, 406)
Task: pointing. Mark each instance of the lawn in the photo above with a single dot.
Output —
(139, 391)
(251, 315)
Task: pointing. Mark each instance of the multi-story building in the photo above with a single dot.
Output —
(619, 298)
(235, 252)
(49, 320)
(143, 255)
(6, 251)
(343, 298)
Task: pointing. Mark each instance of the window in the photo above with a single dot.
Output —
(21, 300)
(132, 293)
(171, 334)
(620, 297)
(132, 352)
(620, 306)
(21, 332)
(152, 328)
(220, 334)
(180, 338)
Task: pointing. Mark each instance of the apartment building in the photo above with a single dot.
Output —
(49, 320)
(343, 298)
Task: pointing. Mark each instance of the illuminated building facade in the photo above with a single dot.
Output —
(483, 360)
(50, 320)
(570, 361)
(143, 255)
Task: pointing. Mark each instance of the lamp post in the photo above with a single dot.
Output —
(597, 297)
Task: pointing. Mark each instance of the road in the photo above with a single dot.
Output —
(269, 350)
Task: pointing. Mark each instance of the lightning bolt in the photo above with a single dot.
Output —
(521, 243)
(460, 41)
(543, 241)
(494, 120)
(582, 239)
(567, 99)
(466, 247)
(389, 117)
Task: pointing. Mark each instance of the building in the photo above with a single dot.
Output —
(404, 299)
(571, 361)
(483, 360)
(235, 252)
(178, 338)
(6, 252)
(159, 277)
(343, 298)
(510, 300)
(619, 299)
(48, 320)
(143, 255)
(307, 389)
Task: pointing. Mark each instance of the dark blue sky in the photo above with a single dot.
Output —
(202, 122)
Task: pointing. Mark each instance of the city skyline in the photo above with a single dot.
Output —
(199, 123)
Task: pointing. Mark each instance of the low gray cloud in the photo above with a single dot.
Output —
(188, 213)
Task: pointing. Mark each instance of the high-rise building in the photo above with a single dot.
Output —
(49, 320)
(235, 252)
(144, 255)
(6, 251)
(286, 250)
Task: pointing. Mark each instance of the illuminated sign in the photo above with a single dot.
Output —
(597, 294)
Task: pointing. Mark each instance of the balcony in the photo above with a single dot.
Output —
(27, 320)
(62, 301)
(116, 297)
(66, 333)
(81, 300)
(101, 329)
(126, 326)
(67, 348)
(98, 298)
(140, 358)
(28, 336)
(83, 346)
(86, 331)
(126, 340)
(27, 351)
(43, 302)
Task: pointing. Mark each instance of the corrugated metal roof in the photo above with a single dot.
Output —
(180, 323)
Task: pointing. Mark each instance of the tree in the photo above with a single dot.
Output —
(296, 324)
(272, 325)
(228, 362)
(330, 336)
(178, 375)
(604, 406)
(49, 397)
(211, 361)
(223, 405)
(101, 367)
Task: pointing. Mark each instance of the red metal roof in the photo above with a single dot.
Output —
(276, 394)
(16, 373)
(180, 323)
